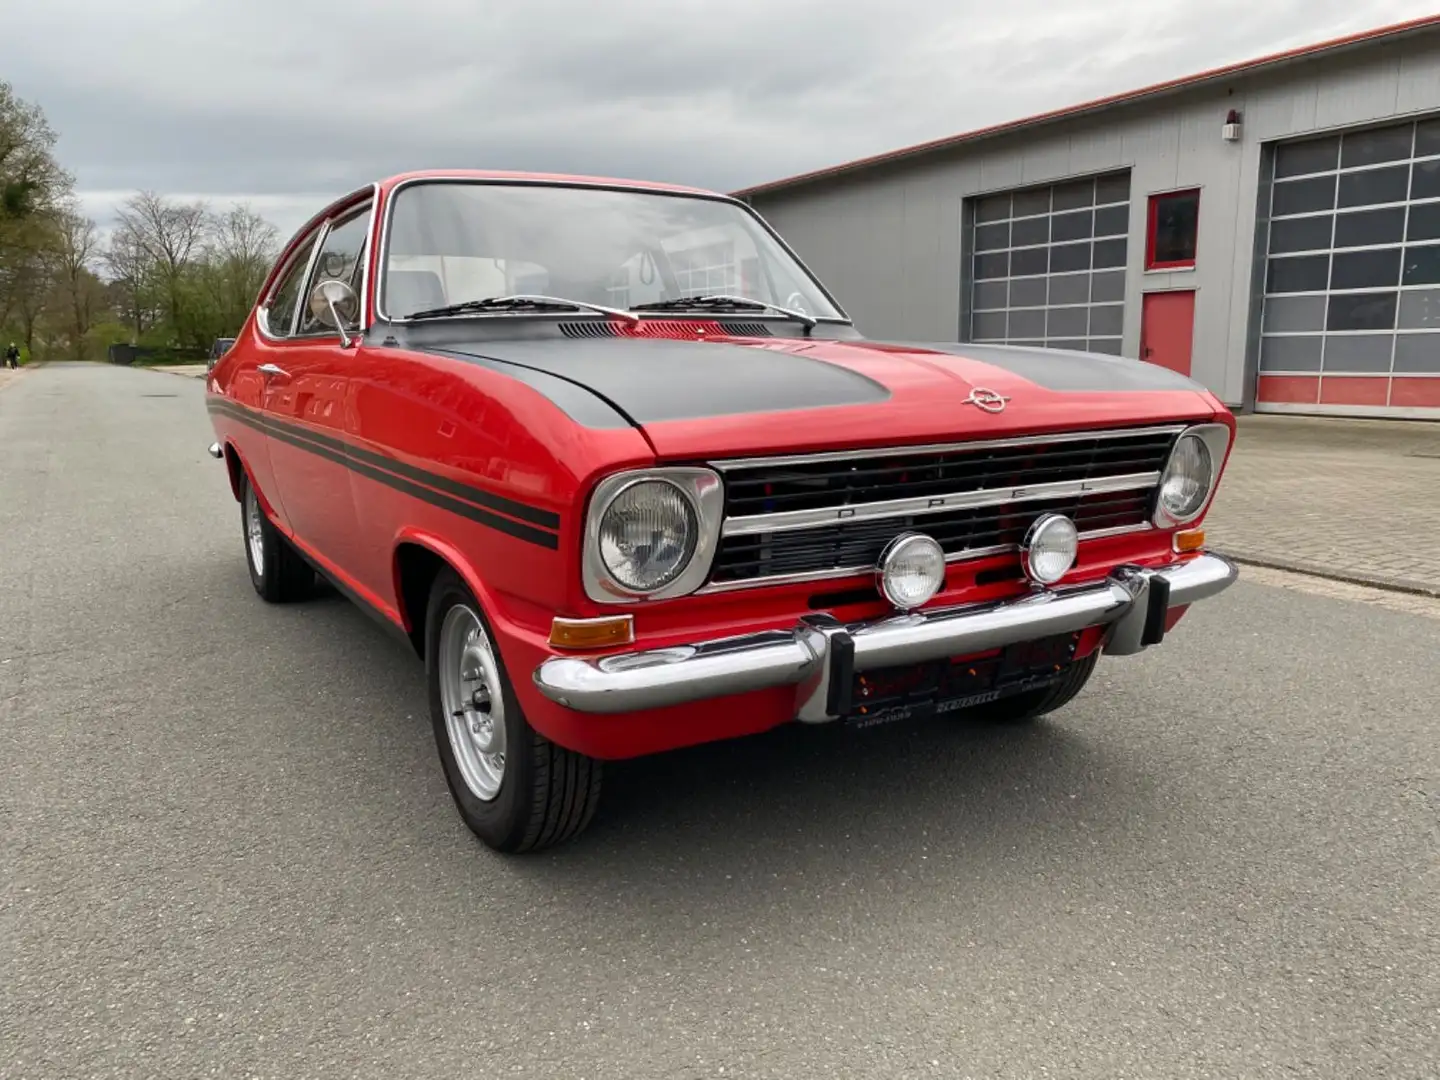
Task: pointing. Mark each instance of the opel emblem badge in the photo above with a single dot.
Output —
(987, 400)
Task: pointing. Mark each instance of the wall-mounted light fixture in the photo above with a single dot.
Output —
(1231, 131)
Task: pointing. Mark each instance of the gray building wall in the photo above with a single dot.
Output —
(887, 240)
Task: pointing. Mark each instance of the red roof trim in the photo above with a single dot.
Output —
(1128, 97)
(500, 176)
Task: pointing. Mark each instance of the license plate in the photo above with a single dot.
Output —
(926, 690)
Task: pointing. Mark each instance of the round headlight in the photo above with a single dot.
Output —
(1049, 549)
(911, 570)
(1187, 479)
(647, 535)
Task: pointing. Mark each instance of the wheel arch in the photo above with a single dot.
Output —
(234, 468)
(417, 560)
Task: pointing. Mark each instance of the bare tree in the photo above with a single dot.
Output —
(79, 291)
(243, 245)
(31, 274)
(132, 275)
(169, 234)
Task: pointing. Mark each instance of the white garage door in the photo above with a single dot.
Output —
(1048, 265)
(1351, 321)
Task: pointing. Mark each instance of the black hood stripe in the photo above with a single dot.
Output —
(1062, 370)
(402, 478)
(583, 404)
(652, 380)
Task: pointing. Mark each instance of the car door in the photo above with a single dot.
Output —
(307, 379)
(247, 384)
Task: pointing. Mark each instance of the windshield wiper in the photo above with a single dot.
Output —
(721, 301)
(522, 302)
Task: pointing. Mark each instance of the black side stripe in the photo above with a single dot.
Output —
(546, 519)
(340, 457)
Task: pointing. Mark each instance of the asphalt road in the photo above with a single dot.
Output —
(228, 848)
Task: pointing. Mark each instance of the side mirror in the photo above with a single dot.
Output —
(334, 303)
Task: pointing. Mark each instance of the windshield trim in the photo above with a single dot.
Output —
(383, 248)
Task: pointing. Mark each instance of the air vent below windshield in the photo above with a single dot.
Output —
(684, 329)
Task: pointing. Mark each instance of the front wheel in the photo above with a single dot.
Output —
(1033, 704)
(513, 787)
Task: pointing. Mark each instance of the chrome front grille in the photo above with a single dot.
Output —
(827, 515)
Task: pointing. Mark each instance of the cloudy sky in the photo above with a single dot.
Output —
(285, 103)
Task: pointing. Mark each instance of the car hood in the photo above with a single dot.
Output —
(696, 399)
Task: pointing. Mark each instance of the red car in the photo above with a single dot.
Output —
(617, 466)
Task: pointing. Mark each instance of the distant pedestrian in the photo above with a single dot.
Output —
(12, 356)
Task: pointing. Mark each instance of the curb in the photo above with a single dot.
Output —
(1349, 577)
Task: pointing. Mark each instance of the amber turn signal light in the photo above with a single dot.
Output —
(1193, 540)
(592, 633)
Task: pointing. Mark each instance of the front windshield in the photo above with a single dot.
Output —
(449, 242)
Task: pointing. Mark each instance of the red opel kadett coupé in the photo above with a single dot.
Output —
(617, 466)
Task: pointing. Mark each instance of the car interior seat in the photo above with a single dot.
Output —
(407, 291)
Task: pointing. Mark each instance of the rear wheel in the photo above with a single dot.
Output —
(277, 571)
(1033, 704)
(513, 787)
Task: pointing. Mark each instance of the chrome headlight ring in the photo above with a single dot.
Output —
(702, 490)
(1213, 441)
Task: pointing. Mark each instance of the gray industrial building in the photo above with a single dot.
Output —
(1271, 228)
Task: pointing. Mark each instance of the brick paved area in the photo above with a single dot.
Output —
(1354, 499)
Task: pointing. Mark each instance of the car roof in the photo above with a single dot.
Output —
(391, 182)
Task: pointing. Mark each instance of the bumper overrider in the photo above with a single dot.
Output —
(820, 655)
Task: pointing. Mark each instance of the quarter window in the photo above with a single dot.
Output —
(280, 312)
(340, 260)
(1174, 222)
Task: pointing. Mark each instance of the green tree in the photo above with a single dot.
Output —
(33, 194)
(31, 181)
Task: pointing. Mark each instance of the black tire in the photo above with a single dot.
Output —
(547, 794)
(282, 576)
(1030, 706)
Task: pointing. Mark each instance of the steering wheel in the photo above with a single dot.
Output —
(796, 302)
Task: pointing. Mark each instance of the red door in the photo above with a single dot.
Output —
(305, 401)
(1167, 329)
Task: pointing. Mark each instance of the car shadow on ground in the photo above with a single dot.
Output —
(821, 796)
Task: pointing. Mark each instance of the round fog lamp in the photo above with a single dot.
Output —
(1049, 549)
(911, 570)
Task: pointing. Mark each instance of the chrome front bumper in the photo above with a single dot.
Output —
(820, 654)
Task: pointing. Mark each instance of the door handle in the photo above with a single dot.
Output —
(272, 369)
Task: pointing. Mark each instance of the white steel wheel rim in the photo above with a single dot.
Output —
(474, 706)
(254, 530)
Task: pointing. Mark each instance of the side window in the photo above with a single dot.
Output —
(1174, 217)
(339, 260)
(280, 312)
